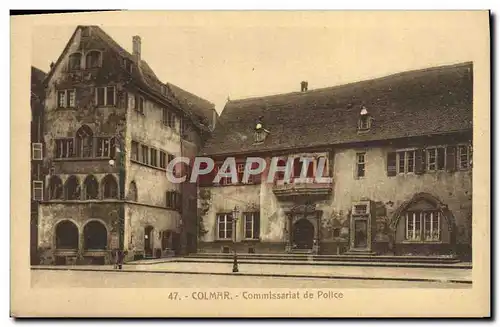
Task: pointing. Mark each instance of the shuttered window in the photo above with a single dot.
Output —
(391, 164)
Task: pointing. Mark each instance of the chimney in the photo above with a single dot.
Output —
(136, 46)
(303, 86)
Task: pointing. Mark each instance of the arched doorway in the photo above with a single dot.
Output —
(148, 241)
(95, 236)
(66, 236)
(303, 234)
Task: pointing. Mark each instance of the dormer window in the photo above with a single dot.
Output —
(260, 133)
(128, 65)
(364, 122)
(163, 89)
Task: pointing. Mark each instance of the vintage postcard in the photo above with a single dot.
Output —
(251, 164)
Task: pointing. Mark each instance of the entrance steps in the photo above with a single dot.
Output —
(358, 257)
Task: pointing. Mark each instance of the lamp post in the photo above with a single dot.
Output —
(235, 255)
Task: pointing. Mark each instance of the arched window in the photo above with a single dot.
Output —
(75, 61)
(55, 188)
(84, 140)
(91, 188)
(93, 59)
(95, 236)
(72, 188)
(66, 235)
(132, 192)
(109, 187)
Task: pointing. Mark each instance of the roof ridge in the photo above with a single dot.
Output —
(374, 79)
(190, 93)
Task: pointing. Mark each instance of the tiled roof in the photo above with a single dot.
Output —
(196, 108)
(413, 103)
(201, 107)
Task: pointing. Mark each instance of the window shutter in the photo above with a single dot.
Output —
(391, 164)
(256, 225)
(420, 161)
(451, 158)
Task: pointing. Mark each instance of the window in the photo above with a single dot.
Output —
(91, 188)
(105, 147)
(110, 96)
(72, 188)
(109, 187)
(431, 226)
(435, 159)
(260, 136)
(413, 230)
(225, 226)
(163, 160)
(37, 190)
(360, 165)
(280, 164)
(55, 188)
(240, 168)
(134, 151)
(252, 225)
(139, 104)
(223, 180)
(464, 157)
(105, 96)
(153, 160)
(423, 226)
(360, 209)
(406, 162)
(66, 98)
(84, 142)
(75, 61)
(168, 118)
(37, 151)
(64, 148)
(93, 59)
(144, 154)
(174, 200)
(364, 122)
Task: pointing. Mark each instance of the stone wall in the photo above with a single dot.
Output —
(388, 193)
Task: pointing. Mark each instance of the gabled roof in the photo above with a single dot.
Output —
(145, 76)
(413, 103)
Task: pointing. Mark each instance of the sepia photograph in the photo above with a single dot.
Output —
(253, 158)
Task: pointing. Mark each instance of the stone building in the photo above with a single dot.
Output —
(37, 172)
(110, 129)
(398, 150)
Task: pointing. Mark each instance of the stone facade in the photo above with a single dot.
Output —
(110, 129)
(331, 214)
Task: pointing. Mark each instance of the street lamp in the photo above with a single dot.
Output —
(235, 257)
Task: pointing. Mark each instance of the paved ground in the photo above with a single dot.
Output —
(105, 279)
(341, 272)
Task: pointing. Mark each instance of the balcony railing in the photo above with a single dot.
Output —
(307, 187)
